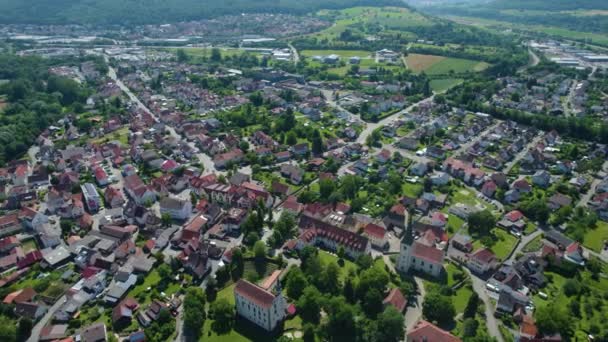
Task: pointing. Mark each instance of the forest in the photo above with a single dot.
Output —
(130, 12)
(34, 100)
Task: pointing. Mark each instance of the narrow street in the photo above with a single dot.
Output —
(479, 286)
(37, 328)
(522, 243)
(592, 188)
(522, 153)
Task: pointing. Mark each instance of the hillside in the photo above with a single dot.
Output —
(107, 12)
(571, 19)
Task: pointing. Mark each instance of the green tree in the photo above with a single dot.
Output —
(309, 305)
(326, 188)
(390, 325)
(296, 283)
(166, 219)
(223, 316)
(469, 327)
(259, 251)
(216, 55)
(472, 304)
(438, 308)
(482, 222)
(552, 319)
(194, 310)
(341, 325)
(372, 302)
(24, 329)
(182, 56)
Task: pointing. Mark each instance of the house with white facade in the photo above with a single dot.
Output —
(263, 305)
(178, 209)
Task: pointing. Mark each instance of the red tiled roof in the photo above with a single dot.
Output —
(514, 215)
(375, 231)
(254, 293)
(427, 332)
(483, 255)
(396, 299)
(428, 253)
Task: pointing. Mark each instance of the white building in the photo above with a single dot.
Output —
(262, 305)
(178, 209)
(91, 197)
(420, 255)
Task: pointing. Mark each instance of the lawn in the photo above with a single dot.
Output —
(464, 196)
(348, 265)
(341, 53)
(594, 238)
(151, 281)
(530, 228)
(257, 271)
(444, 84)
(454, 274)
(533, 245)
(505, 243)
(29, 245)
(412, 189)
(121, 134)
(461, 298)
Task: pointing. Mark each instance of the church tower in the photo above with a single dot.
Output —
(403, 263)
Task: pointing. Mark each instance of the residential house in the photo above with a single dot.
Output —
(482, 261)
(424, 331)
(376, 235)
(178, 209)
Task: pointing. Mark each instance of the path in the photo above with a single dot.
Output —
(479, 286)
(522, 243)
(45, 319)
(413, 313)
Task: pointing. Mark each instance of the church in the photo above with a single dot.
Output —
(420, 255)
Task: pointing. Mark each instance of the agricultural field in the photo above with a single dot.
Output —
(444, 84)
(439, 65)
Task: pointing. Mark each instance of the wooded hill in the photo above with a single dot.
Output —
(125, 12)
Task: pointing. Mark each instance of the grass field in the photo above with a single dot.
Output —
(533, 245)
(357, 18)
(418, 63)
(504, 245)
(121, 134)
(348, 265)
(439, 65)
(594, 238)
(443, 84)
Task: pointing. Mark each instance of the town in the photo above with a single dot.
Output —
(263, 192)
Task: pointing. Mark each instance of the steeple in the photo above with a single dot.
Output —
(408, 238)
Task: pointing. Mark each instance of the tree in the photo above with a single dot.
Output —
(259, 251)
(553, 319)
(182, 56)
(309, 305)
(223, 316)
(438, 308)
(482, 222)
(296, 283)
(24, 329)
(308, 333)
(216, 55)
(390, 325)
(372, 279)
(326, 188)
(166, 219)
(291, 138)
(165, 273)
(469, 327)
(472, 304)
(572, 287)
(349, 186)
(341, 325)
(194, 310)
(329, 279)
(8, 331)
(317, 142)
(372, 302)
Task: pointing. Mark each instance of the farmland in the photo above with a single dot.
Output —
(439, 65)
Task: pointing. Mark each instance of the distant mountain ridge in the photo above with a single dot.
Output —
(109, 12)
(550, 5)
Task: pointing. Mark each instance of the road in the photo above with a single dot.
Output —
(479, 286)
(206, 161)
(522, 153)
(591, 192)
(389, 119)
(329, 98)
(294, 52)
(46, 319)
